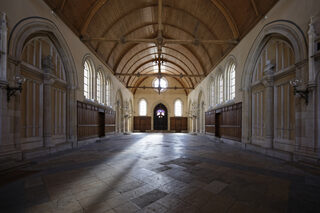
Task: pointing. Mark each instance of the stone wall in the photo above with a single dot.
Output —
(295, 25)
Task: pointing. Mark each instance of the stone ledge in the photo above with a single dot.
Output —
(270, 152)
(11, 155)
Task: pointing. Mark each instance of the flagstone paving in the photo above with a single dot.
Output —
(159, 172)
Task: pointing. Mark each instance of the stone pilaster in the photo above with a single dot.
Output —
(47, 101)
(312, 36)
(3, 46)
(268, 82)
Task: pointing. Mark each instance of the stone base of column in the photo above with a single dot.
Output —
(268, 142)
(47, 141)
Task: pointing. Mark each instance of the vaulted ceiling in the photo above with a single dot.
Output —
(190, 36)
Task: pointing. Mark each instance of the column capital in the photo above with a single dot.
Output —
(268, 81)
(311, 31)
(49, 79)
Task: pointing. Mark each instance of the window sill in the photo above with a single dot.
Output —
(224, 104)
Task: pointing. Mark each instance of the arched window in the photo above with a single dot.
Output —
(212, 95)
(178, 108)
(231, 81)
(143, 107)
(108, 91)
(99, 87)
(220, 87)
(87, 79)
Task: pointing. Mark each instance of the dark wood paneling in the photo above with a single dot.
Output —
(210, 121)
(92, 120)
(179, 124)
(109, 120)
(142, 123)
(225, 122)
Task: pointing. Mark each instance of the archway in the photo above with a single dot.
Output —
(160, 117)
(269, 101)
(49, 91)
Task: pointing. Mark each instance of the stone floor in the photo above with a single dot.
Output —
(160, 173)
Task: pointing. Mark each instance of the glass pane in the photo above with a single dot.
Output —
(160, 113)
(163, 83)
(143, 108)
(178, 108)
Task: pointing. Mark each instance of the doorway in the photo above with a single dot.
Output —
(160, 117)
(217, 124)
(101, 120)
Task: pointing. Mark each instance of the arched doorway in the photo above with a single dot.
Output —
(160, 117)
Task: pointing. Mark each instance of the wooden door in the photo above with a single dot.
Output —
(101, 120)
(218, 122)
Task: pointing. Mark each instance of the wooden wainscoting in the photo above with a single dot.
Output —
(110, 121)
(225, 122)
(94, 121)
(178, 124)
(210, 121)
(142, 123)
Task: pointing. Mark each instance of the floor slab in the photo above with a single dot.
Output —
(160, 172)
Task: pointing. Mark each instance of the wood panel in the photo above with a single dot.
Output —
(225, 122)
(210, 121)
(93, 119)
(179, 124)
(110, 120)
(142, 123)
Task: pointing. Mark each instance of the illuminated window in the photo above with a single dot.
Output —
(142, 107)
(108, 91)
(178, 108)
(86, 79)
(88, 72)
(160, 113)
(231, 81)
(162, 82)
(212, 93)
(99, 87)
(220, 89)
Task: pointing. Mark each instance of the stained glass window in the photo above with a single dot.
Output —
(160, 113)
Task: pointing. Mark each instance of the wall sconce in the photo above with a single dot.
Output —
(12, 90)
(299, 89)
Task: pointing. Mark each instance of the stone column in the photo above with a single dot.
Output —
(268, 82)
(3, 79)
(195, 124)
(312, 46)
(246, 116)
(71, 122)
(125, 124)
(3, 47)
(47, 103)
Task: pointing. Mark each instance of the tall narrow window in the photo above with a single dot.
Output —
(220, 89)
(108, 90)
(143, 107)
(232, 81)
(86, 79)
(178, 108)
(99, 87)
(212, 93)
